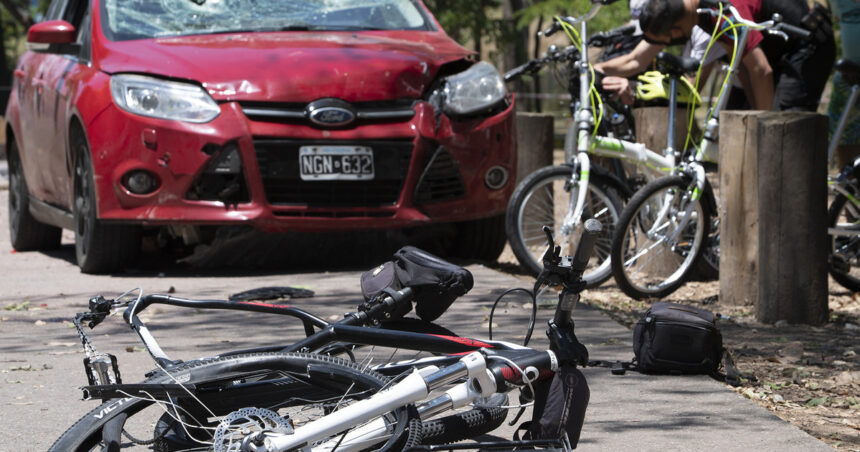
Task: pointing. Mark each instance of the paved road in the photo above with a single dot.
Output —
(41, 369)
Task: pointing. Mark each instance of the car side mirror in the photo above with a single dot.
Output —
(53, 36)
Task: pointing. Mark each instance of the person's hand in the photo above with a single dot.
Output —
(620, 88)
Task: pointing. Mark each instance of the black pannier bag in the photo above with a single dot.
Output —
(435, 282)
(560, 405)
(678, 339)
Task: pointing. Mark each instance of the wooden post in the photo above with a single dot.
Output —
(652, 127)
(738, 209)
(773, 214)
(535, 136)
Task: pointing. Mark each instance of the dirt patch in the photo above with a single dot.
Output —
(808, 376)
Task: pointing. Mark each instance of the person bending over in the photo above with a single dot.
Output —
(778, 75)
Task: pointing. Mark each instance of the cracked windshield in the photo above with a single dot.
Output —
(141, 19)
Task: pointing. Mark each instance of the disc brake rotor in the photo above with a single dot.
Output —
(238, 427)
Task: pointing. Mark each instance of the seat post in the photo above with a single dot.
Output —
(673, 97)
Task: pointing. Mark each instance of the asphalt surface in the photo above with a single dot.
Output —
(40, 356)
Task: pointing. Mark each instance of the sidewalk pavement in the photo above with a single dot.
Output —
(41, 357)
(637, 412)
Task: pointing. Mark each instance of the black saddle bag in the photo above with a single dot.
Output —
(435, 283)
(677, 339)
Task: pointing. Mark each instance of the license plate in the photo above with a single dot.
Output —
(335, 163)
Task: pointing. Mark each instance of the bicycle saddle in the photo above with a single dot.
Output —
(850, 70)
(675, 65)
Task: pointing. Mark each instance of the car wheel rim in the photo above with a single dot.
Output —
(82, 206)
(14, 189)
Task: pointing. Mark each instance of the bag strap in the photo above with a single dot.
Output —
(616, 367)
(732, 375)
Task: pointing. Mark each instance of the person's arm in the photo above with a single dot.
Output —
(631, 63)
(619, 87)
(759, 76)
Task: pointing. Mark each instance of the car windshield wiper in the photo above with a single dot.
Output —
(309, 27)
(298, 27)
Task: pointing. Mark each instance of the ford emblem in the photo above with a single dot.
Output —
(330, 113)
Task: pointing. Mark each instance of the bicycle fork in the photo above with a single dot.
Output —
(579, 179)
(661, 222)
(411, 389)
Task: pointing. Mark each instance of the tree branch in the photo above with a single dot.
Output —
(25, 20)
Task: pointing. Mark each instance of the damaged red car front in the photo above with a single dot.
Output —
(129, 116)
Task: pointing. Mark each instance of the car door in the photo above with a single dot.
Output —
(30, 91)
(58, 75)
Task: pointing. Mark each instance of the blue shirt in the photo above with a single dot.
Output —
(847, 12)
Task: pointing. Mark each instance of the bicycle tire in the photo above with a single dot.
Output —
(708, 266)
(657, 278)
(844, 251)
(529, 210)
(466, 425)
(110, 418)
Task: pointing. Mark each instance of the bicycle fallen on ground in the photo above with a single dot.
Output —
(300, 397)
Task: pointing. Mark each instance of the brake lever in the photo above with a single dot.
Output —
(551, 259)
(778, 33)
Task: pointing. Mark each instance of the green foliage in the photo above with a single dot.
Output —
(465, 20)
(14, 33)
(609, 17)
(818, 401)
(479, 22)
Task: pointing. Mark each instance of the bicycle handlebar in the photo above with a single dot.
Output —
(551, 30)
(529, 66)
(793, 31)
(591, 230)
(602, 38)
(774, 26)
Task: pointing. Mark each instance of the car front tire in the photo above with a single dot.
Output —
(99, 247)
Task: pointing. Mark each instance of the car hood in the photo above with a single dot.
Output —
(293, 66)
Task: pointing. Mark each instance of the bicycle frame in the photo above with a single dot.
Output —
(707, 146)
(417, 385)
(353, 329)
(601, 146)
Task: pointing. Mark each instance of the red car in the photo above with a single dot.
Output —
(133, 116)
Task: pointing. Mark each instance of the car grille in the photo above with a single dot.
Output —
(292, 112)
(440, 180)
(279, 168)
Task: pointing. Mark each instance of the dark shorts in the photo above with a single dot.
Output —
(800, 76)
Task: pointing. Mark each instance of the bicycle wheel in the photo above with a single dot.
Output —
(650, 256)
(843, 227)
(301, 387)
(543, 199)
(708, 266)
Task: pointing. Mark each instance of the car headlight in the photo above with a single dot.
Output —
(477, 88)
(147, 96)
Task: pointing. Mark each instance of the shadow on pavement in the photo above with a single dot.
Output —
(248, 252)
